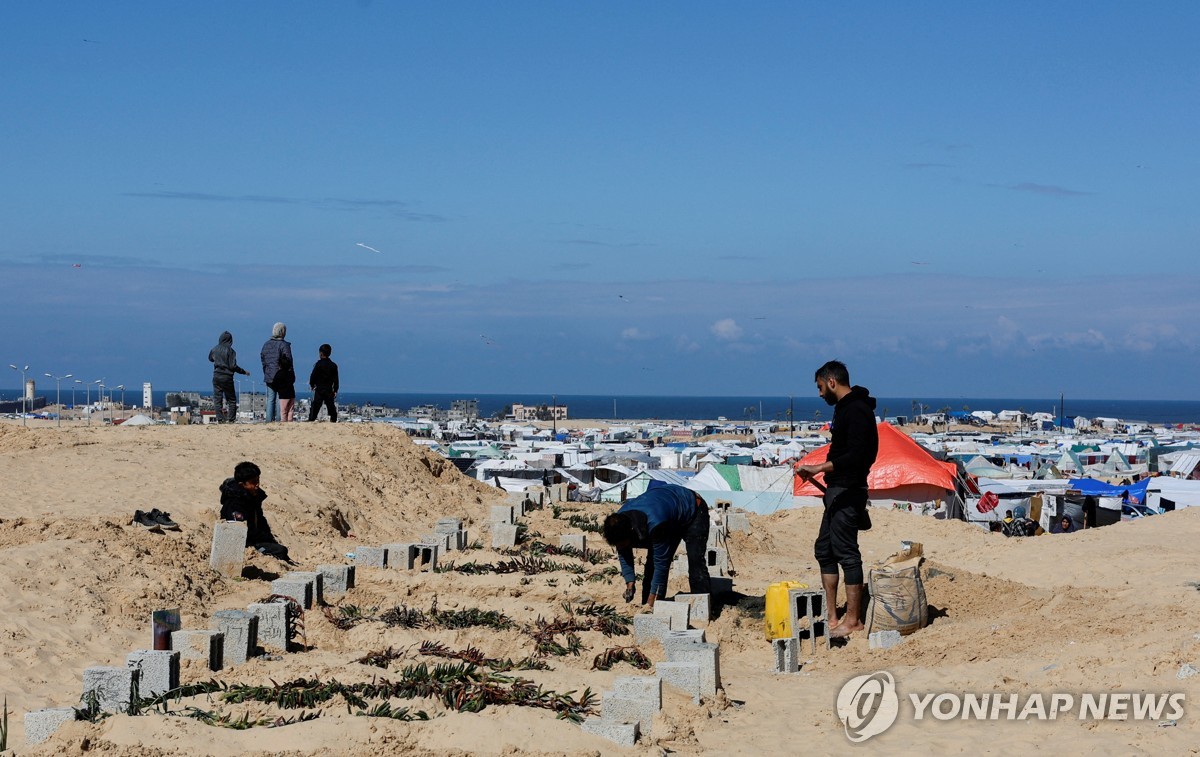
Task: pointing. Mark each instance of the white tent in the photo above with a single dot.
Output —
(1183, 492)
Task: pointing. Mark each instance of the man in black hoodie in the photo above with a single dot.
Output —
(224, 361)
(852, 451)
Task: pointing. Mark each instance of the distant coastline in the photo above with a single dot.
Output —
(734, 408)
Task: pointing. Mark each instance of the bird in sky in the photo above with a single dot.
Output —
(366, 247)
(77, 265)
(915, 262)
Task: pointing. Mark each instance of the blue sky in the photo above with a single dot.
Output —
(620, 198)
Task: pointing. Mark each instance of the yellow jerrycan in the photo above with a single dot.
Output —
(778, 614)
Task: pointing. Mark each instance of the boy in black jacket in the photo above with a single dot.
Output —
(324, 384)
(241, 499)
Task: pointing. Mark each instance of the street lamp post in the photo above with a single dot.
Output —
(77, 381)
(122, 388)
(100, 393)
(58, 394)
(24, 422)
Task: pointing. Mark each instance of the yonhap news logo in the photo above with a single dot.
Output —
(868, 705)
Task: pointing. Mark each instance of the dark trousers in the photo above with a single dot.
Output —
(837, 542)
(224, 394)
(323, 397)
(695, 541)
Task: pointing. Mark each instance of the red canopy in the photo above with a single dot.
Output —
(901, 461)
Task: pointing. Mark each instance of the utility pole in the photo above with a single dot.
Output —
(791, 416)
(554, 412)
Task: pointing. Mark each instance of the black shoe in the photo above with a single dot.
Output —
(162, 519)
(146, 521)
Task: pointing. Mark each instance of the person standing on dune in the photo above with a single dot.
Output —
(224, 361)
(852, 452)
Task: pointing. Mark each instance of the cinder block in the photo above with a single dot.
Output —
(644, 688)
(716, 534)
(807, 610)
(294, 587)
(621, 734)
(158, 671)
(514, 499)
(448, 526)
(426, 556)
(272, 624)
(672, 639)
(701, 606)
(717, 559)
(647, 628)
(574, 541)
(884, 639)
(684, 676)
(708, 657)
(200, 645)
(442, 541)
(370, 557)
(738, 522)
(318, 583)
(42, 724)
(113, 687)
(626, 710)
(228, 548)
(463, 539)
(504, 536)
(336, 579)
(676, 614)
(787, 657)
(401, 556)
(502, 514)
(241, 634)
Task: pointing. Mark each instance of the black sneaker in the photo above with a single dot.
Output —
(146, 521)
(162, 519)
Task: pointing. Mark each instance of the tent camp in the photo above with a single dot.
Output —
(903, 472)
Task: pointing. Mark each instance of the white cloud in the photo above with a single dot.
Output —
(634, 334)
(726, 330)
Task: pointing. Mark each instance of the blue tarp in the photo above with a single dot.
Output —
(1093, 488)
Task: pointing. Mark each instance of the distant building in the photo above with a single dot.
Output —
(463, 410)
(147, 396)
(432, 412)
(185, 399)
(254, 403)
(539, 412)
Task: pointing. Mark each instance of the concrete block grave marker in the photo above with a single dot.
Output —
(228, 548)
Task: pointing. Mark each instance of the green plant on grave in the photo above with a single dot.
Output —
(476, 657)
(613, 655)
(384, 710)
(4, 726)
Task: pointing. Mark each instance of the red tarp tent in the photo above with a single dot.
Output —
(900, 462)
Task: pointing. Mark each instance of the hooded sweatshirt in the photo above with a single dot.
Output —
(855, 441)
(224, 359)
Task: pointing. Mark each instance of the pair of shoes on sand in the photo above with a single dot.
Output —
(155, 520)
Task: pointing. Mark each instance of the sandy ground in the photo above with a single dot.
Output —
(1101, 611)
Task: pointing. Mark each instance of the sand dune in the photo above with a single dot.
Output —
(1105, 610)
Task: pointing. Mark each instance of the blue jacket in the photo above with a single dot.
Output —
(661, 517)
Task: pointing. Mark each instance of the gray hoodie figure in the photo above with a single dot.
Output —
(224, 361)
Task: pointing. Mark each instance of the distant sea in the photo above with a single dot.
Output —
(615, 407)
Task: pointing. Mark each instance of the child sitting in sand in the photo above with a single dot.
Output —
(241, 499)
